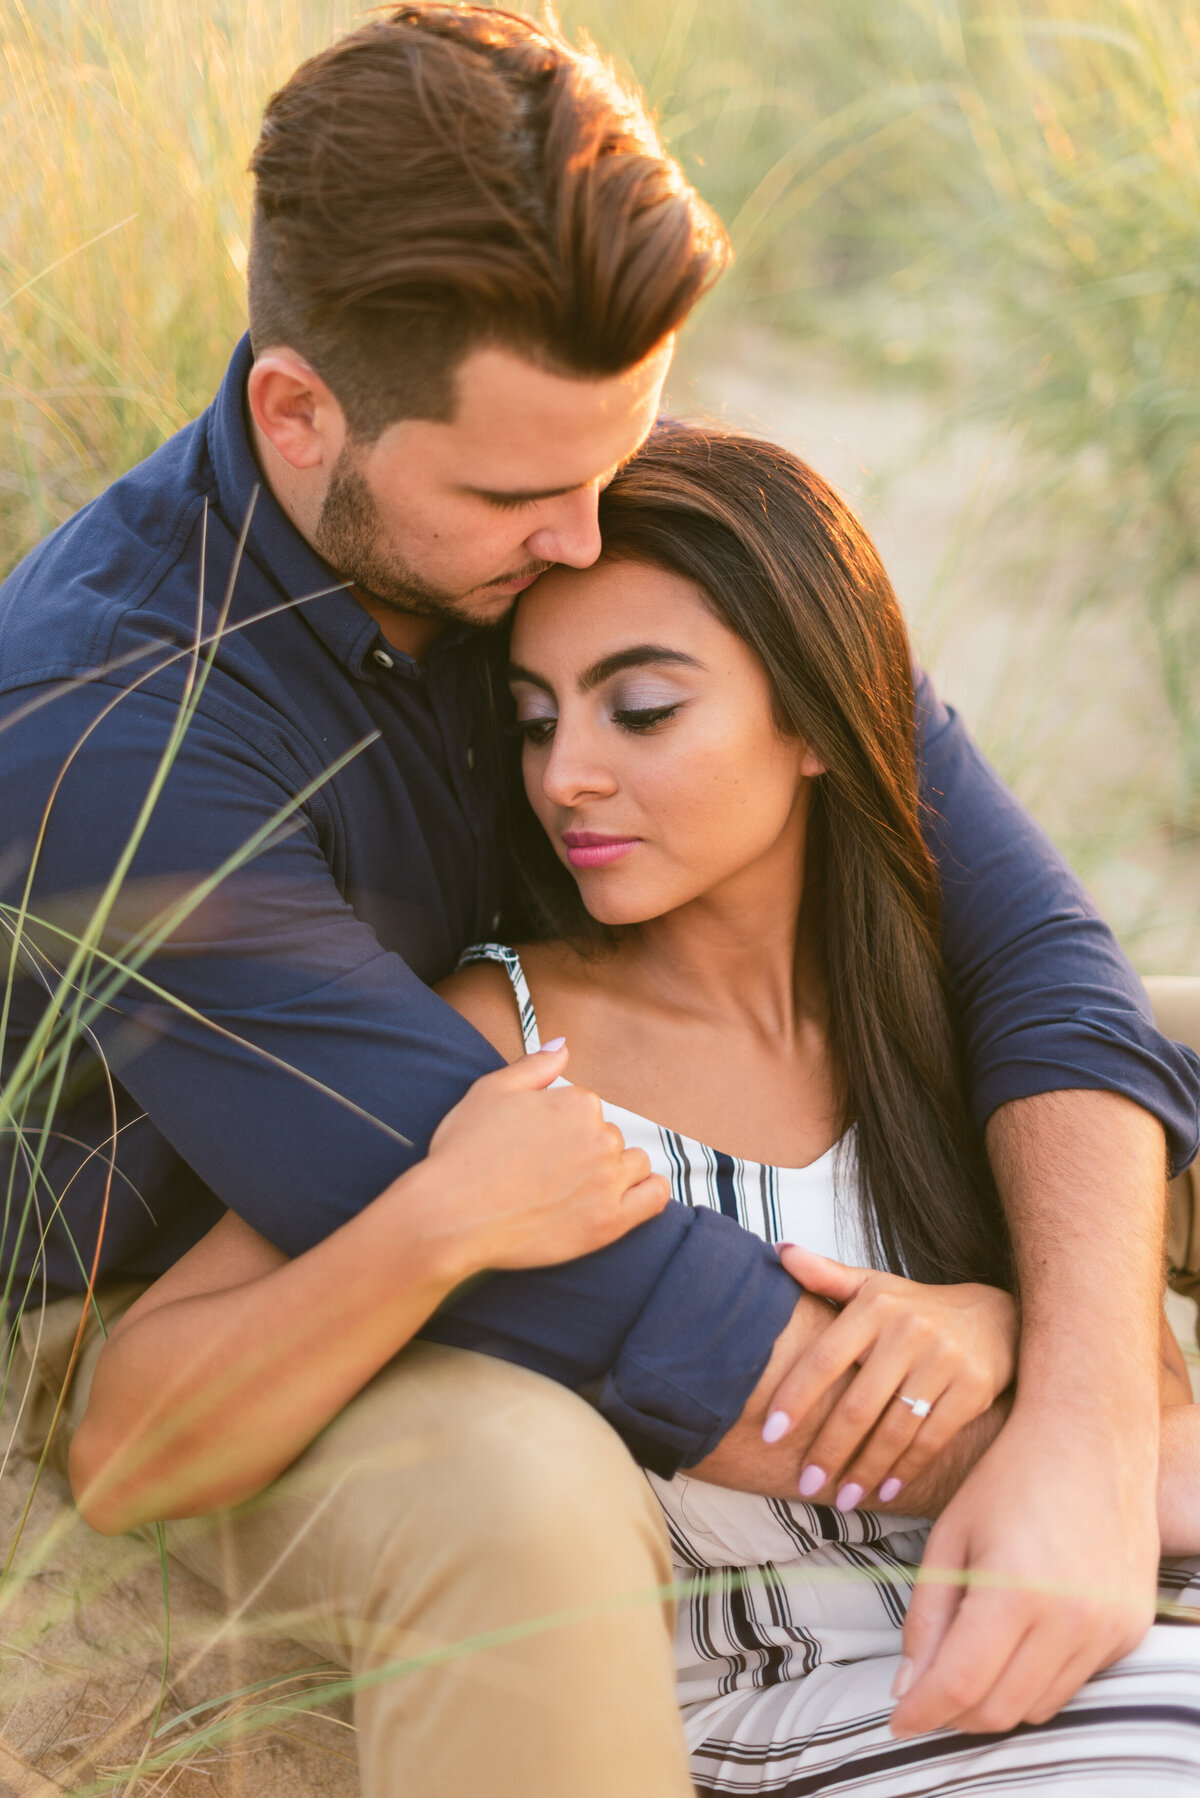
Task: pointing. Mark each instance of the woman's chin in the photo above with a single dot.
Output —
(616, 910)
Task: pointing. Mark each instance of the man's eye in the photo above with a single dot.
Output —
(535, 730)
(643, 718)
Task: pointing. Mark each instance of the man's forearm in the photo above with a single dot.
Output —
(1082, 1176)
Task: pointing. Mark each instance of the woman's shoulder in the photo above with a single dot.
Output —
(483, 993)
(487, 989)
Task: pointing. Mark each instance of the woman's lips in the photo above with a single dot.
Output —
(587, 849)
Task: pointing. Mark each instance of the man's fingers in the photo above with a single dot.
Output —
(936, 1598)
(1046, 1669)
(821, 1274)
(1074, 1676)
(986, 1629)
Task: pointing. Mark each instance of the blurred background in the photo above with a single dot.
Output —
(967, 288)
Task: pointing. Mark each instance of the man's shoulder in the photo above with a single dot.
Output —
(62, 607)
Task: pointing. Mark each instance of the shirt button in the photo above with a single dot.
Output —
(383, 658)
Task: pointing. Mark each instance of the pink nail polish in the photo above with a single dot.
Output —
(811, 1480)
(890, 1490)
(556, 1042)
(903, 1679)
(850, 1496)
(776, 1427)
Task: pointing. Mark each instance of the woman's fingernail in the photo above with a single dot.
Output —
(850, 1496)
(785, 1245)
(890, 1490)
(811, 1480)
(556, 1042)
(903, 1679)
(777, 1426)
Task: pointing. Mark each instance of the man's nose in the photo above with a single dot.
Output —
(569, 530)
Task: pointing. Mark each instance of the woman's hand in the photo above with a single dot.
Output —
(952, 1348)
(528, 1177)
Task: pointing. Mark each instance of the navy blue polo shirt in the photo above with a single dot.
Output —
(281, 1053)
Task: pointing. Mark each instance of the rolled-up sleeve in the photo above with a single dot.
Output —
(671, 1363)
(1046, 999)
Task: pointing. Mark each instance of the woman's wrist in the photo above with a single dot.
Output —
(438, 1240)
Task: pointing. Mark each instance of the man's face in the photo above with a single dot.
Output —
(452, 520)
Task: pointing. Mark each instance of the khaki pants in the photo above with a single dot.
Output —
(456, 1499)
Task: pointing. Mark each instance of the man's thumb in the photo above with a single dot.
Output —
(820, 1274)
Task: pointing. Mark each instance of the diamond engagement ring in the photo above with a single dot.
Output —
(920, 1407)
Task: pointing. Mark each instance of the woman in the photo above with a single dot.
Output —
(736, 930)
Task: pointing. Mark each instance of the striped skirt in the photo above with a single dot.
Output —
(788, 1641)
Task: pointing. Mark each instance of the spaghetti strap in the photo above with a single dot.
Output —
(511, 962)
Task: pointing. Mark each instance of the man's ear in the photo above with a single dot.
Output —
(294, 409)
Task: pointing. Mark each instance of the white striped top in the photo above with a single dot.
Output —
(816, 1206)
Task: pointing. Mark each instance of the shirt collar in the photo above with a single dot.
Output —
(348, 633)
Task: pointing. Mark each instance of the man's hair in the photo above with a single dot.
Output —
(454, 176)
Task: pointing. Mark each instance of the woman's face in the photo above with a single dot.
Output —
(650, 756)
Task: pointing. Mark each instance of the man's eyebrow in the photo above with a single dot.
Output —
(639, 655)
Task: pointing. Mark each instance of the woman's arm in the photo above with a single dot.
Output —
(223, 1372)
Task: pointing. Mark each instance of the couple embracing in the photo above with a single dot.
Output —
(635, 1218)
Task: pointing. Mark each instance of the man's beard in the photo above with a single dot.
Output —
(350, 536)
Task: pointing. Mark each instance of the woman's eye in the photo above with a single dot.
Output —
(535, 730)
(644, 718)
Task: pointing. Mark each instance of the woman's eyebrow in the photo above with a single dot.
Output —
(516, 672)
(639, 655)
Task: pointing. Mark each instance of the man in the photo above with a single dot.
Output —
(468, 263)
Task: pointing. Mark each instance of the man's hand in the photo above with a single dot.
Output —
(1050, 1548)
(1014, 1607)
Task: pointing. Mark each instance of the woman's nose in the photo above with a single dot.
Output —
(574, 771)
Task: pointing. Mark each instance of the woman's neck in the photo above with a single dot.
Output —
(746, 954)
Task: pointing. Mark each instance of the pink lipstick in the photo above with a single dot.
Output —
(588, 849)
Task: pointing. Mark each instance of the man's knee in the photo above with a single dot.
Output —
(451, 1461)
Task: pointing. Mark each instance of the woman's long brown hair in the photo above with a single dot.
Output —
(788, 568)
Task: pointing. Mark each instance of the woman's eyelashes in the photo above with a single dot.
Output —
(535, 730)
(639, 720)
